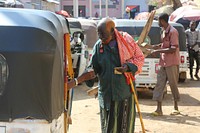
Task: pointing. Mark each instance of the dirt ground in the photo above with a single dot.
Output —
(86, 119)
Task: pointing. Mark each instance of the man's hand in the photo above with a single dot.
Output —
(87, 75)
(122, 69)
(149, 46)
(149, 51)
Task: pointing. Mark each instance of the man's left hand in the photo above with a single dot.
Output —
(122, 69)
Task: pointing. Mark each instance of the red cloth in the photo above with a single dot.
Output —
(63, 12)
(130, 52)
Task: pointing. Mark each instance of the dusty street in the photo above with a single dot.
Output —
(85, 112)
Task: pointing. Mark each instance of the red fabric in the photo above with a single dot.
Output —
(131, 7)
(63, 12)
(130, 52)
(129, 77)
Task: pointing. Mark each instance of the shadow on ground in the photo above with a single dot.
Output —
(186, 100)
(179, 119)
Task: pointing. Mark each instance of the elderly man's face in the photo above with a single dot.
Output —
(104, 34)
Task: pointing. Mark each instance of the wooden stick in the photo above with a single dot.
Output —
(137, 105)
(93, 91)
(146, 29)
(144, 34)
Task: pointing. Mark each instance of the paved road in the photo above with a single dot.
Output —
(85, 112)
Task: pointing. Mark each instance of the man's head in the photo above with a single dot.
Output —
(106, 30)
(192, 25)
(163, 20)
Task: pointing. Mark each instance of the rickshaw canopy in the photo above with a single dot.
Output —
(90, 30)
(31, 49)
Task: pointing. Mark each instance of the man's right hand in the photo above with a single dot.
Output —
(149, 51)
(87, 75)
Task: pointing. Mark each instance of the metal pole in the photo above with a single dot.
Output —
(60, 5)
(90, 8)
(75, 8)
(100, 14)
(106, 8)
(123, 8)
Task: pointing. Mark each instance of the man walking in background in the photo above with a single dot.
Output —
(193, 42)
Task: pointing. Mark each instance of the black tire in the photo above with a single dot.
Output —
(182, 77)
(181, 80)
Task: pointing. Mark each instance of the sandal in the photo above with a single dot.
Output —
(175, 112)
(156, 114)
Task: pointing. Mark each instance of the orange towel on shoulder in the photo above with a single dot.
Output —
(129, 51)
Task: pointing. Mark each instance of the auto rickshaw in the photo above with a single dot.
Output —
(79, 49)
(90, 31)
(33, 95)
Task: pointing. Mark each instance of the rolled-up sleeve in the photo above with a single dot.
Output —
(174, 42)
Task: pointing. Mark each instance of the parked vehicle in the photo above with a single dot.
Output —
(32, 62)
(79, 49)
(148, 78)
(90, 31)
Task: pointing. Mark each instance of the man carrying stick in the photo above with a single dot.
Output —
(115, 57)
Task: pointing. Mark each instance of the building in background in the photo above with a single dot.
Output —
(90, 8)
(51, 5)
(115, 7)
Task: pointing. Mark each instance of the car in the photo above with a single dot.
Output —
(148, 78)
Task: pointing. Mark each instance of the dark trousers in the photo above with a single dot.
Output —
(120, 118)
(193, 56)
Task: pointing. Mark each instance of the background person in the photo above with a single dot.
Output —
(127, 13)
(193, 42)
(169, 62)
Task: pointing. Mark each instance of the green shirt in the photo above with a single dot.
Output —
(112, 87)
